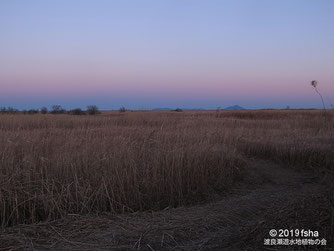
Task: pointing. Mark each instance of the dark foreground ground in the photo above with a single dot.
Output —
(270, 196)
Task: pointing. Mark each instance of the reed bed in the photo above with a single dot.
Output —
(55, 165)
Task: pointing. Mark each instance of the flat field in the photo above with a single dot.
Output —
(138, 170)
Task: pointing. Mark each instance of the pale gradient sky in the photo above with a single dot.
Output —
(173, 53)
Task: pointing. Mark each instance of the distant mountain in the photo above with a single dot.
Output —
(234, 107)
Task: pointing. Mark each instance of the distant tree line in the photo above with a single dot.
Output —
(55, 109)
(8, 109)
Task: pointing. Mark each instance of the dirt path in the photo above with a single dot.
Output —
(268, 196)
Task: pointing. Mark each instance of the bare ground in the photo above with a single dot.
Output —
(270, 196)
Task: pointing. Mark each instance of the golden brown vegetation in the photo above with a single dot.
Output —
(55, 165)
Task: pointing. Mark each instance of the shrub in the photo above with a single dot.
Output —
(92, 109)
(9, 109)
(44, 110)
(178, 110)
(3, 110)
(77, 111)
(32, 111)
(57, 109)
(122, 109)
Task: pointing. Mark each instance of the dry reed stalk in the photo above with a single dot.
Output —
(55, 165)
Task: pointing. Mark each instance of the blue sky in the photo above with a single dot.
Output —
(176, 53)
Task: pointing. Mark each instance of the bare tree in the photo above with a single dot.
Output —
(44, 110)
(57, 109)
(122, 109)
(92, 109)
(76, 111)
(314, 84)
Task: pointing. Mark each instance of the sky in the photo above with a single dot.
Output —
(172, 53)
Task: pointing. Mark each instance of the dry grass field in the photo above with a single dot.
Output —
(53, 166)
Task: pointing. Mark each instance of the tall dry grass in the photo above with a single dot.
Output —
(54, 165)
